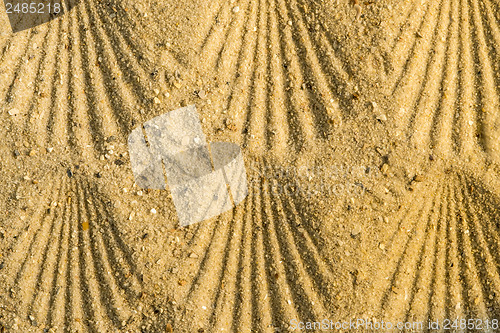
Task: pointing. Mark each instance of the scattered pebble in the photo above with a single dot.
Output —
(419, 178)
(202, 94)
(356, 230)
(156, 100)
(236, 9)
(385, 168)
(14, 112)
(358, 11)
(153, 211)
(382, 117)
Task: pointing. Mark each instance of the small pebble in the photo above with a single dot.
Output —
(153, 211)
(358, 11)
(419, 178)
(202, 94)
(14, 112)
(356, 230)
(236, 9)
(385, 168)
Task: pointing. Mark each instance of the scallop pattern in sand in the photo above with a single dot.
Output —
(67, 265)
(445, 76)
(260, 266)
(91, 85)
(77, 79)
(284, 84)
(281, 72)
(440, 259)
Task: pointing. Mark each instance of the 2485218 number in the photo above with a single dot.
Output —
(33, 8)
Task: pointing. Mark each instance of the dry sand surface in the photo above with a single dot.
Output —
(370, 133)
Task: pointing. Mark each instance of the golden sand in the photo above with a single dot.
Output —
(370, 133)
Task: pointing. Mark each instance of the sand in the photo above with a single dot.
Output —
(370, 134)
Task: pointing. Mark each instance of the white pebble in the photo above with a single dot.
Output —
(236, 9)
(153, 211)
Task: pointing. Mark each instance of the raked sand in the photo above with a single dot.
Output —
(370, 133)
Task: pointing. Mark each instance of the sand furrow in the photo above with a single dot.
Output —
(70, 274)
(448, 266)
